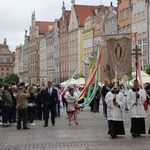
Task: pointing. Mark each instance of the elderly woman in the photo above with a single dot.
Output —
(71, 98)
(22, 105)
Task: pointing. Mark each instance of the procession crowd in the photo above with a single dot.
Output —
(27, 103)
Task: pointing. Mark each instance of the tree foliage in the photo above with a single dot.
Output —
(77, 76)
(148, 70)
(11, 78)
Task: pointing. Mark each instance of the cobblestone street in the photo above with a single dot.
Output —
(89, 134)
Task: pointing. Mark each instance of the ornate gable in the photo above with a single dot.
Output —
(73, 23)
(110, 14)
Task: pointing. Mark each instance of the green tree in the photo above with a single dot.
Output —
(11, 78)
(77, 76)
(148, 70)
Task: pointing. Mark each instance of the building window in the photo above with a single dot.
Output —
(144, 64)
(139, 44)
(2, 69)
(144, 46)
(98, 26)
(2, 74)
(1, 60)
(7, 60)
(7, 69)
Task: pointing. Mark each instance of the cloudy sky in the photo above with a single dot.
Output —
(15, 16)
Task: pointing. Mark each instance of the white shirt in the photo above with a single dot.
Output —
(115, 112)
(136, 111)
(50, 90)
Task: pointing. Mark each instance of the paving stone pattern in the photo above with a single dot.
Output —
(89, 134)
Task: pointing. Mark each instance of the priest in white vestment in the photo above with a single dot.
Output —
(136, 98)
(115, 106)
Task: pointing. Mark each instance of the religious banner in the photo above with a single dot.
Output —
(119, 48)
(104, 69)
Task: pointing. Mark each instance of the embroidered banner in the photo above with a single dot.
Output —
(119, 48)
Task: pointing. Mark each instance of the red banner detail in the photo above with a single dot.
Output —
(92, 76)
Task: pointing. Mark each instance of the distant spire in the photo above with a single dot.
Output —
(63, 4)
(73, 2)
(33, 15)
(5, 42)
(111, 4)
(63, 8)
(26, 31)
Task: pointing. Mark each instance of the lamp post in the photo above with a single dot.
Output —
(86, 69)
(148, 3)
(130, 6)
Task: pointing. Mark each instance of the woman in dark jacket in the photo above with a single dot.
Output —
(31, 105)
(7, 106)
(40, 110)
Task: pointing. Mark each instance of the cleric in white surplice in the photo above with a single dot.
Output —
(137, 109)
(115, 105)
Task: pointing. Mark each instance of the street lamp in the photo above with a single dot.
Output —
(130, 6)
(147, 2)
(86, 69)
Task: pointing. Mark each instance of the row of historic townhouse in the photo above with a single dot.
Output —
(54, 50)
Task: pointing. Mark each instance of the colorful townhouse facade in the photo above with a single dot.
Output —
(56, 53)
(19, 62)
(124, 16)
(25, 56)
(50, 55)
(140, 26)
(63, 44)
(37, 29)
(75, 34)
(42, 59)
(6, 60)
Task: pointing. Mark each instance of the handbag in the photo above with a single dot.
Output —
(145, 105)
(76, 106)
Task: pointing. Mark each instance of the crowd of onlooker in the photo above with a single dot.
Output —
(27, 103)
(21, 102)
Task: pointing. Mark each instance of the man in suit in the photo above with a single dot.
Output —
(49, 102)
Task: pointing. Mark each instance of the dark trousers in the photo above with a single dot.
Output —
(12, 117)
(31, 113)
(22, 114)
(96, 105)
(92, 105)
(46, 114)
(58, 109)
(6, 114)
(40, 113)
(65, 104)
(104, 106)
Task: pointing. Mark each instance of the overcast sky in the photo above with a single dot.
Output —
(15, 16)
